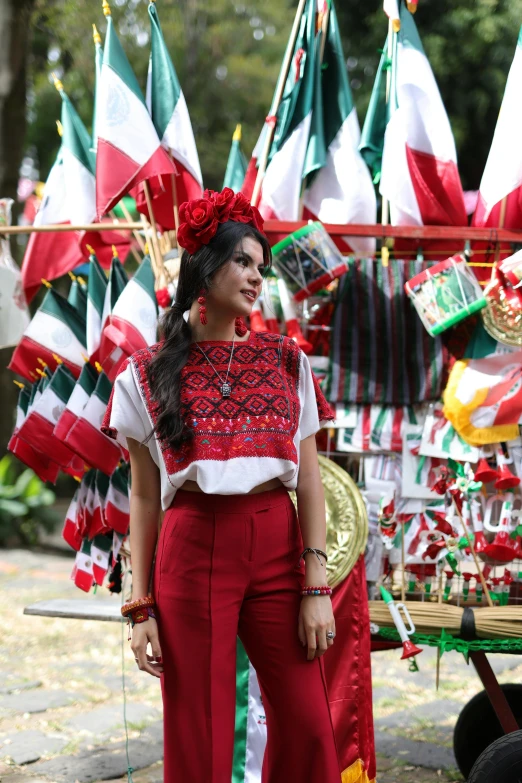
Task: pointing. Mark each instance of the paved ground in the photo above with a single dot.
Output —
(61, 695)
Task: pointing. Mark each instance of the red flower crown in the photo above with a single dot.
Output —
(200, 218)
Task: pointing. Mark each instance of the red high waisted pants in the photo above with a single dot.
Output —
(226, 566)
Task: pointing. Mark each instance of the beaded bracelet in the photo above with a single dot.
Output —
(322, 590)
(139, 603)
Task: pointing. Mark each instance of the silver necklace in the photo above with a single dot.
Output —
(225, 387)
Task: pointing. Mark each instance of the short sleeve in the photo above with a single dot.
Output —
(315, 411)
(126, 415)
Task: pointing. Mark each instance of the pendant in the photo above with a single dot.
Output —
(226, 389)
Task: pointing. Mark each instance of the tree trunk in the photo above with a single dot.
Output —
(15, 17)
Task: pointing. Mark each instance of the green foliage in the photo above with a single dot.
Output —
(228, 75)
(24, 504)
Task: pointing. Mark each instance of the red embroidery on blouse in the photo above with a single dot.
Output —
(261, 416)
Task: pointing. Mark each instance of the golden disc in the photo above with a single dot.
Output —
(346, 521)
(500, 320)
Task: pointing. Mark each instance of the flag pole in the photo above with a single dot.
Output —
(155, 248)
(63, 227)
(175, 204)
(128, 217)
(385, 206)
(263, 160)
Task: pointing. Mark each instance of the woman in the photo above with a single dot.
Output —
(220, 423)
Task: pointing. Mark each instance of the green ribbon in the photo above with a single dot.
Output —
(447, 643)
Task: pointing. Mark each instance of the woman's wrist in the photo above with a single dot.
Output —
(315, 574)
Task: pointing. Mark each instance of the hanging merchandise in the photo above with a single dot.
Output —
(445, 294)
(502, 317)
(308, 260)
(373, 428)
(441, 440)
(380, 352)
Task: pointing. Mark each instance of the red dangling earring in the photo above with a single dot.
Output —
(241, 328)
(202, 308)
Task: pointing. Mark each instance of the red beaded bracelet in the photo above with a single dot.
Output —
(322, 590)
(140, 603)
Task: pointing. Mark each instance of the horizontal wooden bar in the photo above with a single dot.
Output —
(77, 609)
(61, 227)
(443, 233)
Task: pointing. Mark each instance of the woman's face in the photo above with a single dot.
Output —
(236, 286)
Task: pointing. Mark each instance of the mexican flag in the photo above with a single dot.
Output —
(101, 547)
(129, 150)
(99, 522)
(98, 62)
(78, 297)
(502, 178)
(133, 321)
(85, 436)
(78, 163)
(56, 329)
(49, 255)
(483, 396)
(96, 290)
(118, 279)
(236, 164)
(287, 162)
(38, 427)
(82, 573)
(44, 468)
(341, 190)
(117, 505)
(70, 533)
(419, 176)
(79, 398)
(168, 109)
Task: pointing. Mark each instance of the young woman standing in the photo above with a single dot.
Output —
(220, 424)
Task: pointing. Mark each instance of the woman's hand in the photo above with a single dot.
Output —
(316, 618)
(144, 634)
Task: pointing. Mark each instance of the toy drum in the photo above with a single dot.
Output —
(445, 294)
(308, 260)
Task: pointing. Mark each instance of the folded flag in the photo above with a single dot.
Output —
(99, 521)
(96, 290)
(56, 330)
(79, 398)
(82, 573)
(70, 532)
(117, 504)
(101, 547)
(133, 321)
(42, 465)
(85, 436)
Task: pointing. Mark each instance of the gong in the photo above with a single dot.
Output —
(346, 521)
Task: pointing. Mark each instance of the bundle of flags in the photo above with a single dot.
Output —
(314, 167)
(407, 138)
(136, 146)
(69, 356)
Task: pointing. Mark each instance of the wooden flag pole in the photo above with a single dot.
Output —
(137, 236)
(175, 203)
(155, 248)
(263, 160)
(62, 227)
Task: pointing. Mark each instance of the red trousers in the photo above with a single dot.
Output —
(226, 566)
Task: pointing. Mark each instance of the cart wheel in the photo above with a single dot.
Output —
(477, 726)
(501, 762)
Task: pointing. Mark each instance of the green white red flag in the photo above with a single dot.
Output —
(341, 190)
(133, 321)
(169, 112)
(117, 506)
(419, 176)
(85, 436)
(287, 162)
(56, 329)
(96, 290)
(236, 164)
(49, 255)
(501, 185)
(79, 398)
(42, 465)
(128, 150)
(70, 532)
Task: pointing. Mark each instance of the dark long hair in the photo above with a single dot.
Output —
(195, 274)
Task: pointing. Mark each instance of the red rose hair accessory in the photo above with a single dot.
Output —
(200, 218)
